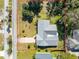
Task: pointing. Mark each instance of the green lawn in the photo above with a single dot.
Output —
(1, 3)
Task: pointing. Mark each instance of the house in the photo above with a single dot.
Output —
(47, 34)
(43, 55)
(74, 42)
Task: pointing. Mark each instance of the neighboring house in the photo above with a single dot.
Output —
(74, 42)
(47, 34)
(43, 56)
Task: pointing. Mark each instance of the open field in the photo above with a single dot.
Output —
(1, 41)
(1, 3)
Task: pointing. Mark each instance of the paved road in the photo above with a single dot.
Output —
(14, 32)
(5, 27)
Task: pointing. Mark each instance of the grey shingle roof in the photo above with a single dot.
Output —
(47, 34)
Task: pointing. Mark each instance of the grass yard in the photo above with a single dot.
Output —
(1, 57)
(55, 19)
(1, 3)
(24, 29)
(43, 14)
(1, 41)
(26, 54)
(25, 51)
(24, 46)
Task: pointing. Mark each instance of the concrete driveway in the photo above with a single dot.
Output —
(26, 40)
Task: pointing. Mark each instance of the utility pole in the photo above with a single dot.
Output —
(65, 33)
(14, 28)
(65, 25)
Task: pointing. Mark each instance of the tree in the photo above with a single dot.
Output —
(65, 8)
(26, 14)
(10, 45)
(35, 6)
(54, 8)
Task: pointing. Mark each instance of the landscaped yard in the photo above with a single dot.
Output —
(1, 3)
(1, 41)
